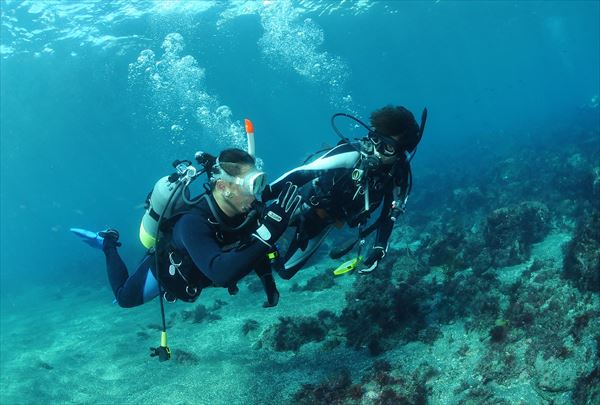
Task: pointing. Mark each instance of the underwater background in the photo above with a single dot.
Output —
(490, 289)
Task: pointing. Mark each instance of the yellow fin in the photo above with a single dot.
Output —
(347, 266)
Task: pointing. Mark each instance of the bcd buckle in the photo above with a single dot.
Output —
(191, 291)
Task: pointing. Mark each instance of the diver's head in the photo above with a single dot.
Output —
(236, 182)
(395, 131)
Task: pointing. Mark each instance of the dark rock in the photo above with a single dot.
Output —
(587, 388)
(199, 315)
(445, 250)
(218, 305)
(45, 365)
(498, 333)
(250, 325)
(291, 333)
(187, 358)
(511, 231)
(337, 389)
(468, 198)
(581, 263)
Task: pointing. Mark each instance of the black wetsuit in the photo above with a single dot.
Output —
(210, 253)
(335, 197)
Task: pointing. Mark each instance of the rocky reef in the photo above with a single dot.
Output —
(509, 257)
(581, 263)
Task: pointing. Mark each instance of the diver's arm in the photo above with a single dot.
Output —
(386, 224)
(262, 267)
(194, 234)
(393, 205)
(341, 157)
(384, 230)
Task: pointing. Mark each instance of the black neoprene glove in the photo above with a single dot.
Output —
(372, 260)
(278, 214)
(267, 194)
(270, 289)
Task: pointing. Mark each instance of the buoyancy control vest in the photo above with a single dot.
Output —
(177, 273)
(352, 196)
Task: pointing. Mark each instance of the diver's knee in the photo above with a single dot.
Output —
(286, 275)
(126, 304)
(125, 301)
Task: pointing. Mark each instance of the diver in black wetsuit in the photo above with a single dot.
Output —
(216, 243)
(349, 182)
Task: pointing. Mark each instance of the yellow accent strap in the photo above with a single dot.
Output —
(147, 240)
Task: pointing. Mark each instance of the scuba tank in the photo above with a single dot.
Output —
(169, 196)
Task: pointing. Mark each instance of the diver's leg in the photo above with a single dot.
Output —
(115, 267)
(137, 289)
(129, 291)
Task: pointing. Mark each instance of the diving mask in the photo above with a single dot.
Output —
(253, 183)
(384, 144)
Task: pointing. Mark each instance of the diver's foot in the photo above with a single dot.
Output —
(111, 238)
(98, 240)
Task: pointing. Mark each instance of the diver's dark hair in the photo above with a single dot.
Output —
(232, 160)
(397, 122)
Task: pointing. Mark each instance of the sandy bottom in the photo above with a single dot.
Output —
(71, 345)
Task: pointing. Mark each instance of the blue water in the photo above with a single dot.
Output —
(98, 98)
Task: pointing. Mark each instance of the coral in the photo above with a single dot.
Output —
(389, 397)
(376, 309)
(580, 324)
(336, 389)
(446, 249)
(468, 294)
(384, 387)
(498, 365)
(581, 262)
(291, 333)
(587, 388)
(511, 231)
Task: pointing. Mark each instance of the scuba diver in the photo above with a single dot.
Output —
(348, 183)
(214, 240)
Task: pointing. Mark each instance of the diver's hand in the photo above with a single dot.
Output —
(267, 194)
(278, 214)
(372, 260)
(270, 289)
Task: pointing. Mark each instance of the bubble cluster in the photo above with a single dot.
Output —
(173, 86)
(292, 41)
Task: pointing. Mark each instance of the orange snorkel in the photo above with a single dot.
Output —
(250, 134)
